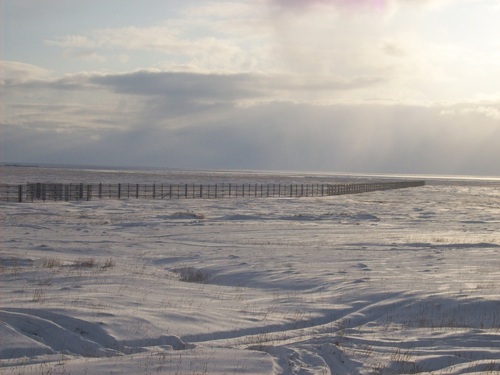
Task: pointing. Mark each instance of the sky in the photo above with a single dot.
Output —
(364, 86)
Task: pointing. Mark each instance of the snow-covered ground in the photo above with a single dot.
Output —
(392, 282)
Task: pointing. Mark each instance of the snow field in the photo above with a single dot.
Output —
(392, 282)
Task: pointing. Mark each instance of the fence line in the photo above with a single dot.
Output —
(38, 191)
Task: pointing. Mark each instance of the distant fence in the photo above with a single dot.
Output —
(38, 191)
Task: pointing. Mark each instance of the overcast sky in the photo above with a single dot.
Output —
(367, 86)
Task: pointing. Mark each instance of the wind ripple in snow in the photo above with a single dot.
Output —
(36, 332)
(304, 217)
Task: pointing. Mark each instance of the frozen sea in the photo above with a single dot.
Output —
(390, 282)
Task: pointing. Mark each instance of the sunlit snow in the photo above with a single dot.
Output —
(390, 282)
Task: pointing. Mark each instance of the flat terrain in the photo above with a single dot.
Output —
(391, 282)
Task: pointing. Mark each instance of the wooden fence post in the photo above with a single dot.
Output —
(20, 193)
(38, 191)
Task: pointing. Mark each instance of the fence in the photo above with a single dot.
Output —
(69, 192)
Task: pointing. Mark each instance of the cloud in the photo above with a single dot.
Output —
(18, 73)
(132, 37)
(343, 4)
(488, 110)
(334, 85)
(88, 100)
(192, 86)
(356, 4)
(313, 42)
(492, 112)
(135, 125)
(194, 120)
(226, 87)
(182, 42)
